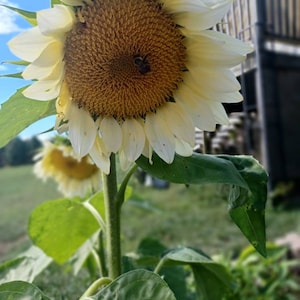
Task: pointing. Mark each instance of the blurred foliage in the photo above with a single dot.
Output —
(19, 152)
(256, 278)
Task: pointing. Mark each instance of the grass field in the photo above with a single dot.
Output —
(20, 192)
(194, 216)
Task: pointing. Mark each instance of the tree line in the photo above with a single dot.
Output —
(19, 152)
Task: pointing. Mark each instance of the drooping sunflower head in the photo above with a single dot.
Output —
(132, 77)
(123, 59)
(74, 176)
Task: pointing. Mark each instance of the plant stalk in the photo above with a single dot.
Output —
(112, 214)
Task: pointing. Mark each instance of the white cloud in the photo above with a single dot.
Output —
(8, 19)
(3, 67)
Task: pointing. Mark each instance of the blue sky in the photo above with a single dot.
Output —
(10, 25)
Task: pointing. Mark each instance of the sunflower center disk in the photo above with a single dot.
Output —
(71, 167)
(123, 58)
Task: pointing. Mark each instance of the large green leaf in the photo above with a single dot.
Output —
(19, 112)
(27, 15)
(255, 176)
(247, 178)
(25, 267)
(137, 284)
(148, 255)
(211, 279)
(20, 290)
(249, 214)
(198, 169)
(60, 227)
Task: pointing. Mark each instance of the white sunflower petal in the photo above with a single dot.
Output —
(43, 90)
(229, 97)
(210, 50)
(133, 139)
(182, 148)
(179, 122)
(235, 45)
(63, 102)
(54, 72)
(203, 117)
(111, 134)
(124, 162)
(234, 97)
(82, 131)
(198, 109)
(219, 112)
(148, 151)
(176, 6)
(221, 94)
(200, 20)
(160, 137)
(46, 62)
(29, 44)
(100, 155)
(213, 79)
(58, 19)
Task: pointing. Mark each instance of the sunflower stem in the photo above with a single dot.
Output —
(112, 213)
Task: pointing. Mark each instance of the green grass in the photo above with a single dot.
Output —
(192, 216)
(195, 215)
(20, 192)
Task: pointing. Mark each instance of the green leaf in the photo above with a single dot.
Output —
(148, 255)
(197, 169)
(27, 15)
(15, 75)
(19, 112)
(210, 283)
(248, 180)
(97, 201)
(17, 62)
(20, 290)
(137, 284)
(60, 227)
(256, 177)
(53, 2)
(248, 210)
(25, 267)
(252, 223)
(212, 279)
(150, 247)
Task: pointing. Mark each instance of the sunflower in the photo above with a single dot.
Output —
(132, 77)
(75, 177)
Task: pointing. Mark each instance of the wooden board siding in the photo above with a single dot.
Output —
(281, 20)
(240, 20)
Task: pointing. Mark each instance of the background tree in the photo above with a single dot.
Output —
(19, 152)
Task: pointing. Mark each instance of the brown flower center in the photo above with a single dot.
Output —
(71, 167)
(123, 58)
